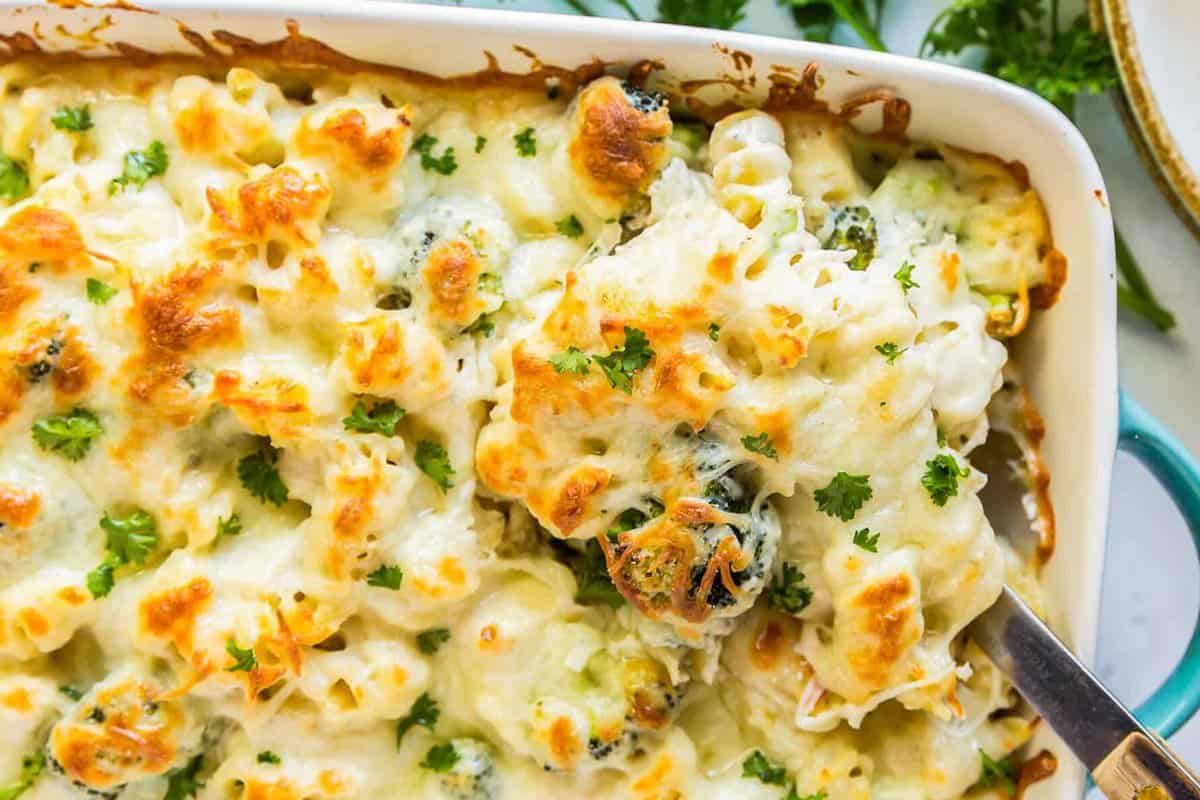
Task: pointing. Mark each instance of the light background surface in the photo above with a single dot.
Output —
(1152, 578)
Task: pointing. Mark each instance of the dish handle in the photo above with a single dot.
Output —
(1144, 437)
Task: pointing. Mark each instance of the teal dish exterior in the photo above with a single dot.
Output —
(1140, 434)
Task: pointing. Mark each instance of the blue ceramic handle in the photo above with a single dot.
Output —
(1173, 703)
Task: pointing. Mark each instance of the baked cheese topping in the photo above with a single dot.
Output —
(363, 438)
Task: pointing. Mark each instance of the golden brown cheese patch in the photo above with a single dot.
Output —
(172, 322)
(375, 353)
(346, 137)
(616, 149)
(452, 275)
(567, 502)
(171, 614)
(891, 625)
(784, 341)
(564, 745)
(15, 292)
(282, 205)
(40, 235)
(18, 507)
(126, 734)
(353, 511)
(273, 406)
(280, 789)
(539, 390)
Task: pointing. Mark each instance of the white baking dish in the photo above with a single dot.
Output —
(1068, 355)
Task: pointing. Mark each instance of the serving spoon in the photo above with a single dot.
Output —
(1127, 761)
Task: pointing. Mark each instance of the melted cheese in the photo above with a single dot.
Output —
(331, 372)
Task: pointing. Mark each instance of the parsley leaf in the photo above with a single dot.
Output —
(182, 783)
(760, 444)
(491, 282)
(788, 592)
(229, 527)
(853, 229)
(890, 350)
(594, 584)
(904, 275)
(526, 143)
(31, 767)
(260, 476)
(99, 292)
(714, 331)
(480, 143)
(432, 460)
(130, 539)
(759, 766)
(76, 119)
(723, 14)
(441, 757)
(268, 757)
(444, 164)
(424, 712)
(571, 360)
(14, 179)
(381, 418)
(70, 692)
(941, 478)
(482, 325)
(844, 495)
(1001, 774)
(386, 576)
(430, 641)
(620, 365)
(70, 435)
(866, 540)
(818, 17)
(570, 227)
(141, 166)
(243, 660)
(100, 581)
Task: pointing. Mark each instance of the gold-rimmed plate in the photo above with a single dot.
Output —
(1157, 49)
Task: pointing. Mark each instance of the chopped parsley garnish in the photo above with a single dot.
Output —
(789, 593)
(844, 495)
(760, 444)
(621, 364)
(432, 460)
(243, 660)
(1001, 774)
(260, 476)
(71, 692)
(430, 641)
(854, 229)
(100, 581)
(14, 179)
(70, 435)
(890, 350)
(230, 526)
(594, 584)
(570, 227)
(714, 331)
(480, 143)
(526, 143)
(866, 540)
(571, 360)
(904, 275)
(444, 164)
(130, 539)
(482, 325)
(141, 166)
(31, 767)
(941, 478)
(268, 757)
(441, 758)
(759, 766)
(386, 576)
(99, 292)
(76, 119)
(381, 418)
(182, 783)
(424, 712)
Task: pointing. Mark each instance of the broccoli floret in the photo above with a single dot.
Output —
(642, 99)
(854, 229)
(472, 775)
